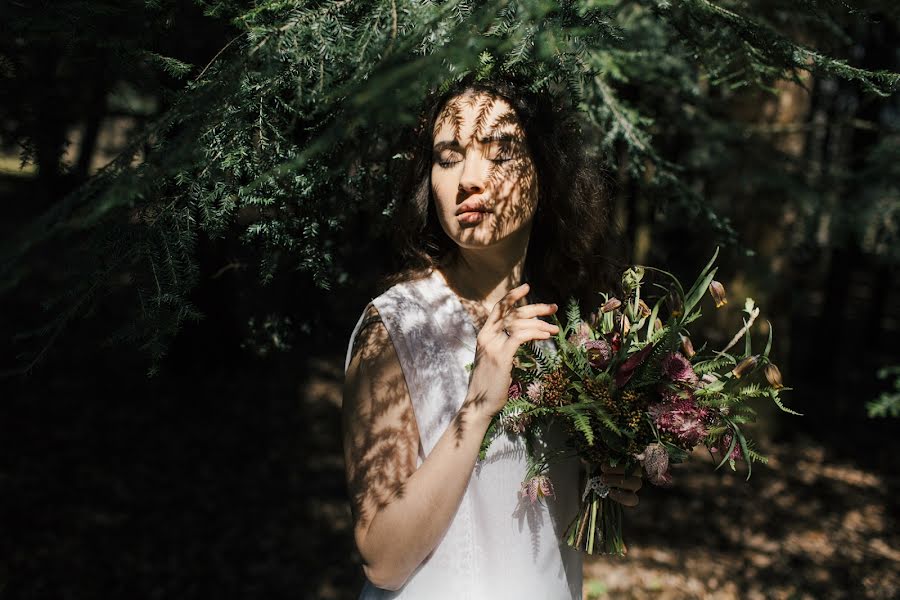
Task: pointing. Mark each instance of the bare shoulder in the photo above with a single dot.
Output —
(380, 436)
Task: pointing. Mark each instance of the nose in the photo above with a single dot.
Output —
(474, 176)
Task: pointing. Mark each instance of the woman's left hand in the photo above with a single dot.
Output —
(624, 489)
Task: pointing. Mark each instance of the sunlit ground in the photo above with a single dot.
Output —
(123, 490)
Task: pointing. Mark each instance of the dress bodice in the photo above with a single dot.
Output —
(498, 544)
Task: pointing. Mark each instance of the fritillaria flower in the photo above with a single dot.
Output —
(515, 390)
(538, 486)
(655, 461)
(717, 291)
(599, 353)
(611, 305)
(724, 443)
(773, 376)
(687, 348)
(644, 308)
(744, 366)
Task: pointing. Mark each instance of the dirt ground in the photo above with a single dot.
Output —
(139, 491)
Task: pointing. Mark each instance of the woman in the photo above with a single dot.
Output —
(502, 211)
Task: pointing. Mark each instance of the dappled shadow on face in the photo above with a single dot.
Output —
(381, 440)
(803, 526)
(481, 152)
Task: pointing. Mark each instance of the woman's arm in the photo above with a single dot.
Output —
(400, 512)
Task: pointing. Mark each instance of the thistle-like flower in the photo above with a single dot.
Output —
(677, 368)
(534, 391)
(683, 418)
(538, 486)
(717, 291)
(744, 366)
(773, 376)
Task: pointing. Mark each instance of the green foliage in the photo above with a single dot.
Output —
(888, 403)
(297, 126)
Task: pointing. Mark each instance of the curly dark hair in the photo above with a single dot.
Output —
(575, 248)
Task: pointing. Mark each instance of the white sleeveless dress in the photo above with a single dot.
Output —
(498, 544)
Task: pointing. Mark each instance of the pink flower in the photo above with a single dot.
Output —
(681, 417)
(581, 336)
(515, 390)
(538, 486)
(723, 445)
(678, 368)
(534, 390)
(655, 461)
(599, 353)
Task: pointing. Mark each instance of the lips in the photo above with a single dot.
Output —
(472, 206)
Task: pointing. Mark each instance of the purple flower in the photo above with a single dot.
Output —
(724, 443)
(538, 486)
(655, 461)
(515, 390)
(599, 353)
(627, 368)
(678, 368)
(681, 417)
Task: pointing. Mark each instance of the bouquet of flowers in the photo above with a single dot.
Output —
(630, 389)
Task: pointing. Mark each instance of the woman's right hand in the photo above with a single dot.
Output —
(495, 350)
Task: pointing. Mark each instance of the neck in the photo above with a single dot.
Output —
(485, 275)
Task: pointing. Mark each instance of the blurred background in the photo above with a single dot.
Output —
(197, 200)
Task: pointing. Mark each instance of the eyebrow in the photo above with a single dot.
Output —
(497, 136)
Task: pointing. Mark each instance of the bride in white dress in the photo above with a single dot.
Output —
(500, 199)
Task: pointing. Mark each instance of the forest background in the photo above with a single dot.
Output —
(197, 206)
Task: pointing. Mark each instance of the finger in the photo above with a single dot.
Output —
(518, 337)
(504, 304)
(624, 498)
(631, 484)
(526, 323)
(533, 310)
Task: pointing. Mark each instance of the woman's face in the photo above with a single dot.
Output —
(483, 178)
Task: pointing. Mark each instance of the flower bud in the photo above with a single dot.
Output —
(744, 366)
(644, 308)
(611, 305)
(773, 376)
(626, 325)
(632, 277)
(687, 348)
(717, 291)
(673, 301)
(657, 325)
